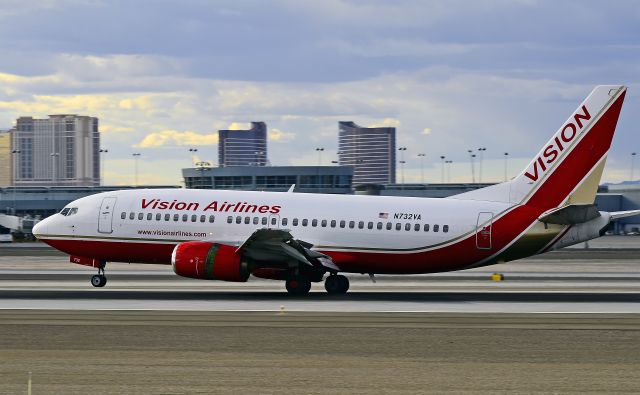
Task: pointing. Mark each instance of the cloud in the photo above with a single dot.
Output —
(426, 131)
(239, 126)
(279, 136)
(168, 137)
(387, 122)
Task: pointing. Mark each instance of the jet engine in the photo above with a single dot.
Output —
(209, 261)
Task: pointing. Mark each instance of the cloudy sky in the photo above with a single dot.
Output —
(164, 76)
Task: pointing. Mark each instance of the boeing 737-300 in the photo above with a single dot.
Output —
(302, 238)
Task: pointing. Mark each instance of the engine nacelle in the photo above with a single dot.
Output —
(208, 261)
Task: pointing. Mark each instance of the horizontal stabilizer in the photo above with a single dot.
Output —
(570, 215)
(624, 214)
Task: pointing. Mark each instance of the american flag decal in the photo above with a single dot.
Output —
(383, 215)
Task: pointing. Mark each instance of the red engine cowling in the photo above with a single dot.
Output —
(208, 261)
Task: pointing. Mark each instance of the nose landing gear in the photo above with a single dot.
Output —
(99, 280)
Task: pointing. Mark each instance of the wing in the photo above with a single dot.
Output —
(278, 245)
(570, 215)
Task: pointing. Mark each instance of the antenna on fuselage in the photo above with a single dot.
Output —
(291, 188)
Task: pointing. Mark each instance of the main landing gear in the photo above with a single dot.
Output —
(334, 284)
(99, 280)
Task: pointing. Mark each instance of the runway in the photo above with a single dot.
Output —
(565, 322)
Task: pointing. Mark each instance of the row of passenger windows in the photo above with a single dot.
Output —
(295, 222)
(168, 217)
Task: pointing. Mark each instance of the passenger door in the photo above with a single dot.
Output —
(105, 220)
(484, 228)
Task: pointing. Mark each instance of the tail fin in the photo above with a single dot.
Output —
(568, 168)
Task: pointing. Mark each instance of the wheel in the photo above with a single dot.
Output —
(298, 286)
(333, 284)
(98, 280)
(336, 284)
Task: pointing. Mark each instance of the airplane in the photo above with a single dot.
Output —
(302, 238)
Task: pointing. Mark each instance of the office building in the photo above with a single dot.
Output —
(243, 147)
(311, 179)
(61, 150)
(371, 152)
(5, 158)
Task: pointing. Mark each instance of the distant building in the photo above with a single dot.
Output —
(243, 147)
(313, 179)
(371, 152)
(5, 158)
(62, 150)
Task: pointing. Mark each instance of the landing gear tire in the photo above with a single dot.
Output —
(99, 280)
(336, 284)
(298, 286)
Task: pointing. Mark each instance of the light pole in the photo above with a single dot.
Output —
(506, 165)
(102, 154)
(473, 170)
(402, 162)
(14, 176)
(135, 155)
(481, 150)
(448, 162)
(421, 156)
(192, 154)
(54, 155)
(633, 160)
(320, 151)
(442, 170)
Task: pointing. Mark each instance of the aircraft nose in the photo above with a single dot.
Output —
(40, 228)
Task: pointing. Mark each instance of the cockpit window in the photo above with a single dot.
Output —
(67, 211)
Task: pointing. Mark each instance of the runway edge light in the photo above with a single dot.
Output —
(497, 277)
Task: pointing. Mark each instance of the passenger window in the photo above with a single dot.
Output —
(398, 226)
(436, 227)
(352, 224)
(445, 228)
(379, 226)
(426, 227)
(416, 227)
(123, 215)
(305, 222)
(389, 225)
(167, 217)
(361, 225)
(314, 222)
(176, 217)
(203, 218)
(295, 222)
(247, 220)
(238, 219)
(274, 220)
(342, 223)
(323, 223)
(256, 220)
(229, 219)
(407, 226)
(370, 225)
(149, 216)
(333, 223)
(158, 217)
(132, 215)
(212, 218)
(264, 220)
(194, 218)
(285, 221)
(185, 217)
(140, 216)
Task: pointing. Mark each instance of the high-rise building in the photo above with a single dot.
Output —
(61, 150)
(243, 147)
(371, 151)
(5, 158)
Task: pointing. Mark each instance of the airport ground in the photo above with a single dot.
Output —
(565, 322)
